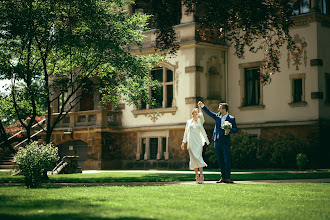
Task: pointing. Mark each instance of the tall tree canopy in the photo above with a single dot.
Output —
(55, 47)
(253, 24)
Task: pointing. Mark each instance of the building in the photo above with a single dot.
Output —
(297, 101)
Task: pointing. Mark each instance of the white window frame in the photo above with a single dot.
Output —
(148, 135)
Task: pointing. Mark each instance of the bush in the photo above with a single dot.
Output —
(302, 161)
(249, 152)
(33, 160)
(210, 157)
(243, 152)
(285, 149)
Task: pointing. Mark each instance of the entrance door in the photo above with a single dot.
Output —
(74, 148)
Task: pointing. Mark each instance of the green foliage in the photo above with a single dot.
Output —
(244, 151)
(33, 160)
(253, 152)
(302, 161)
(281, 152)
(56, 49)
(7, 111)
(210, 156)
(238, 23)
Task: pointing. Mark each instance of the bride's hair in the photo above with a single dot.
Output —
(195, 109)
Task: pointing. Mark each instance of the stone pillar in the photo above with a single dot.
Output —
(166, 154)
(147, 153)
(159, 152)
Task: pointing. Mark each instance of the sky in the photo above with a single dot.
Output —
(3, 83)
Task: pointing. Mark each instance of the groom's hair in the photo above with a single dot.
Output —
(224, 106)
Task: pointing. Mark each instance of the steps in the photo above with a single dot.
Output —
(8, 162)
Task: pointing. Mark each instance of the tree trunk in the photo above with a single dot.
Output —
(5, 142)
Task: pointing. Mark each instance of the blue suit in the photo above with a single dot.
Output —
(222, 142)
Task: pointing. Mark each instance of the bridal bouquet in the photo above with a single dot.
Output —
(226, 125)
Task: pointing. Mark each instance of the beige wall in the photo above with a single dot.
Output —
(277, 95)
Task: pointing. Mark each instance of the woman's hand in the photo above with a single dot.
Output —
(182, 146)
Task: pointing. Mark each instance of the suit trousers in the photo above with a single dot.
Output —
(224, 159)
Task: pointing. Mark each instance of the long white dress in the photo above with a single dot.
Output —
(196, 137)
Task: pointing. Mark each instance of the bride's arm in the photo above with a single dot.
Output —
(185, 133)
(201, 116)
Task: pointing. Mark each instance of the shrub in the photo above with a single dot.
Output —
(248, 152)
(210, 157)
(285, 149)
(302, 161)
(243, 152)
(244, 149)
(33, 160)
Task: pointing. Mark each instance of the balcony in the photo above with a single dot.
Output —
(92, 118)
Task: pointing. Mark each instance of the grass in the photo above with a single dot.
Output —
(208, 201)
(158, 177)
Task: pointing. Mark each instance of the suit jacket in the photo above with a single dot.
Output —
(200, 122)
(218, 132)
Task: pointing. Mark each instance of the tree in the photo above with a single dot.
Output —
(254, 24)
(55, 48)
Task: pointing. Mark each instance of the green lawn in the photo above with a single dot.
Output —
(159, 177)
(208, 201)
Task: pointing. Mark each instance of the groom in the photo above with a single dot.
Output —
(221, 140)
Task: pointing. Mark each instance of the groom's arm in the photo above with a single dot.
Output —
(234, 126)
(207, 111)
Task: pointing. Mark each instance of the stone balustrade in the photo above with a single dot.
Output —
(93, 118)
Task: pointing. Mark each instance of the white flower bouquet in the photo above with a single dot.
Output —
(226, 125)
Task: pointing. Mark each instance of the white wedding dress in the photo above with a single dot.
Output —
(195, 146)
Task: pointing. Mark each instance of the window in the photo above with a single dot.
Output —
(87, 100)
(251, 89)
(301, 6)
(327, 88)
(164, 95)
(153, 148)
(152, 145)
(324, 6)
(143, 148)
(62, 98)
(252, 86)
(297, 90)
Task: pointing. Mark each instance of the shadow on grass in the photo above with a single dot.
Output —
(62, 217)
(15, 204)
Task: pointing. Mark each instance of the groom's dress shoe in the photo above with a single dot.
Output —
(227, 181)
(220, 181)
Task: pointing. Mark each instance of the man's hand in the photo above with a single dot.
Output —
(200, 103)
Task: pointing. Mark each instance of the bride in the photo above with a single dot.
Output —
(195, 137)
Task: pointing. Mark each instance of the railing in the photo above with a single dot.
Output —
(33, 126)
(97, 118)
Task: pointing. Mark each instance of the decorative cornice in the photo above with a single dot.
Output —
(155, 113)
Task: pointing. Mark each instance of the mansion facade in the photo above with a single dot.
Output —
(297, 101)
